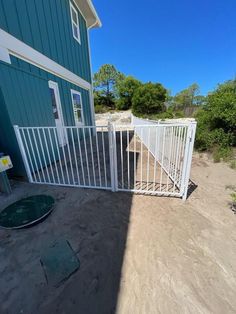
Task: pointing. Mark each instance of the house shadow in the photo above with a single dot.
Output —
(97, 230)
(96, 225)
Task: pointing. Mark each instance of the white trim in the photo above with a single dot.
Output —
(62, 136)
(20, 50)
(73, 9)
(88, 12)
(72, 91)
(54, 86)
(4, 55)
(91, 88)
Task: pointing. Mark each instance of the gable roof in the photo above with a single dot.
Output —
(87, 9)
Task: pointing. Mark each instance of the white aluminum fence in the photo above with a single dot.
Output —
(142, 157)
(171, 145)
(83, 162)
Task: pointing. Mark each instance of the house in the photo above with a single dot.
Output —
(45, 68)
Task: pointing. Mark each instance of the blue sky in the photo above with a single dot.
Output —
(168, 41)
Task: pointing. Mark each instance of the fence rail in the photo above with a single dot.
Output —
(83, 162)
(171, 144)
(142, 157)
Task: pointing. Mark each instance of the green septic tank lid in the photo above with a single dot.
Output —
(26, 211)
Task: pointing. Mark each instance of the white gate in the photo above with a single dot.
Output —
(145, 158)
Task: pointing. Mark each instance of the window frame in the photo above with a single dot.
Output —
(77, 123)
(73, 9)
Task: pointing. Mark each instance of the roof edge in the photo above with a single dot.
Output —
(88, 11)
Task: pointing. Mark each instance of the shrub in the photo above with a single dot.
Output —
(101, 109)
(149, 99)
(216, 130)
(233, 164)
(126, 89)
(222, 153)
(103, 101)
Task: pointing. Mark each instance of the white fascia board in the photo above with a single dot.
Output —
(22, 51)
(89, 13)
(4, 55)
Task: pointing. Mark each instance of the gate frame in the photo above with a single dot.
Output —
(189, 145)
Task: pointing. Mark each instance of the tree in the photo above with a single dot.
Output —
(100, 102)
(199, 100)
(185, 98)
(149, 98)
(125, 90)
(104, 82)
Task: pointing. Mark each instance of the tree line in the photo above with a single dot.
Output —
(215, 113)
(115, 91)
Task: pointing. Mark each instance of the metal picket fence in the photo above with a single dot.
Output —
(140, 157)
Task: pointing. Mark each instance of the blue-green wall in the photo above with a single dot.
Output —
(45, 25)
(26, 93)
(25, 101)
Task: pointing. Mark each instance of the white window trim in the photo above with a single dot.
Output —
(73, 8)
(72, 91)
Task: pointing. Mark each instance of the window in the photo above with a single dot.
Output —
(54, 105)
(75, 22)
(77, 107)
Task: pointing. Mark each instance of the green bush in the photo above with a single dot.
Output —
(216, 129)
(233, 164)
(101, 109)
(103, 101)
(149, 99)
(222, 153)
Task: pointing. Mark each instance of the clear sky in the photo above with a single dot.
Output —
(175, 42)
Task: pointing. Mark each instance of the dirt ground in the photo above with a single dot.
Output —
(138, 254)
(119, 117)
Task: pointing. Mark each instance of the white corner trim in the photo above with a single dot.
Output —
(20, 50)
(4, 55)
(91, 97)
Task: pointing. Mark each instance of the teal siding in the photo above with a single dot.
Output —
(26, 93)
(45, 25)
(8, 142)
(25, 101)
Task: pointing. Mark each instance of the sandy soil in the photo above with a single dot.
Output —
(119, 117)
(138, 254)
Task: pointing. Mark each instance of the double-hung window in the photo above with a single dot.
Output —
(77, 107)
(75, 22)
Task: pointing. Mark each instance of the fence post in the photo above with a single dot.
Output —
(115, 159)
(23, 153)
(112, 155)
(188, 158)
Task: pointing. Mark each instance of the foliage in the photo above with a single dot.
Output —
(170, 113)
(101, 102)
(100, 109)
(221, 153)
(105, 81)
(233, 195)
(149, 98)
(126, 89)
(216, 130)
(215, 113)
(199, 100)
(186, 97)
(233, 164)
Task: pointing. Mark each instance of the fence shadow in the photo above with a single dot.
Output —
(191, 188)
